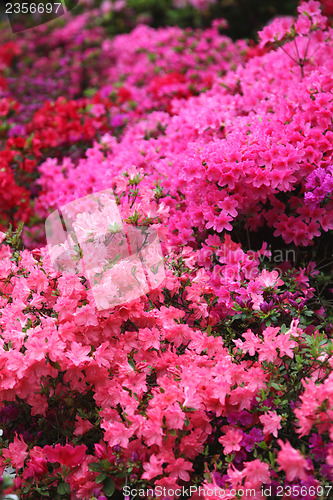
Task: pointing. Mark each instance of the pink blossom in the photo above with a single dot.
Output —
(276, 30)
(231, 440)
(17, 452)
(291, 462)
(271, 422)
(269, 279)
(256, 473)
(116, 433)
(153, 468)
(179, 469)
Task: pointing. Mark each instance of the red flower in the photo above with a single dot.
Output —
(123, 95)
(68, 455)
(8, 51)
(164, 80)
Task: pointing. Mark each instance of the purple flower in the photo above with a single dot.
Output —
(118, 120)
(240, 456)
(245, 418)
(17, 130)
(232, 418)
(264, 306)
(317, 447)
(9, 413)
(220, 480)
(249, 440)
(319, 184)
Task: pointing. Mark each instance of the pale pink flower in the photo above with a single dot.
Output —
(269, 279)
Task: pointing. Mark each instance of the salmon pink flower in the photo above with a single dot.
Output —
(231, 440)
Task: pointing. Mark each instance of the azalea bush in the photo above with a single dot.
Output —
(220, 378)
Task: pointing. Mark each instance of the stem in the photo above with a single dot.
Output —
(247, 231)
(297, 51)
(291, 57)
(300, 60)
(307, 48)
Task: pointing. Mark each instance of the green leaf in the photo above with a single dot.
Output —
(272, 458)
(55, 365)
(122, 474)
(100, 478)
(109, 487)
(89, 92)
(62, 488)
(44, 493)
(131, 363)
(95, 467)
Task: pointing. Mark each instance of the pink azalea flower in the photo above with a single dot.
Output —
(82, 426)
(269, 279)
(231, 440)
(256, 473)
(179, 469)
(78, 353)
(271, 422)
(17, 452)
(153, 468)
(116, 433)
(276, 30)
(291, 462)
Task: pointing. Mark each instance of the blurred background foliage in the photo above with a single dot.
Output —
(245, 17)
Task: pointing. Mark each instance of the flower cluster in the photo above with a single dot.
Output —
(119, 78)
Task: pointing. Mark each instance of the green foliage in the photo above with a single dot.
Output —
(244, 17)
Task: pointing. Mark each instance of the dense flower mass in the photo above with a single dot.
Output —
(221, 376)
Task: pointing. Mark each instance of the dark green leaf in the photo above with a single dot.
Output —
(100, 478)
(109, 487)
(61, 489)
(95, 467)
